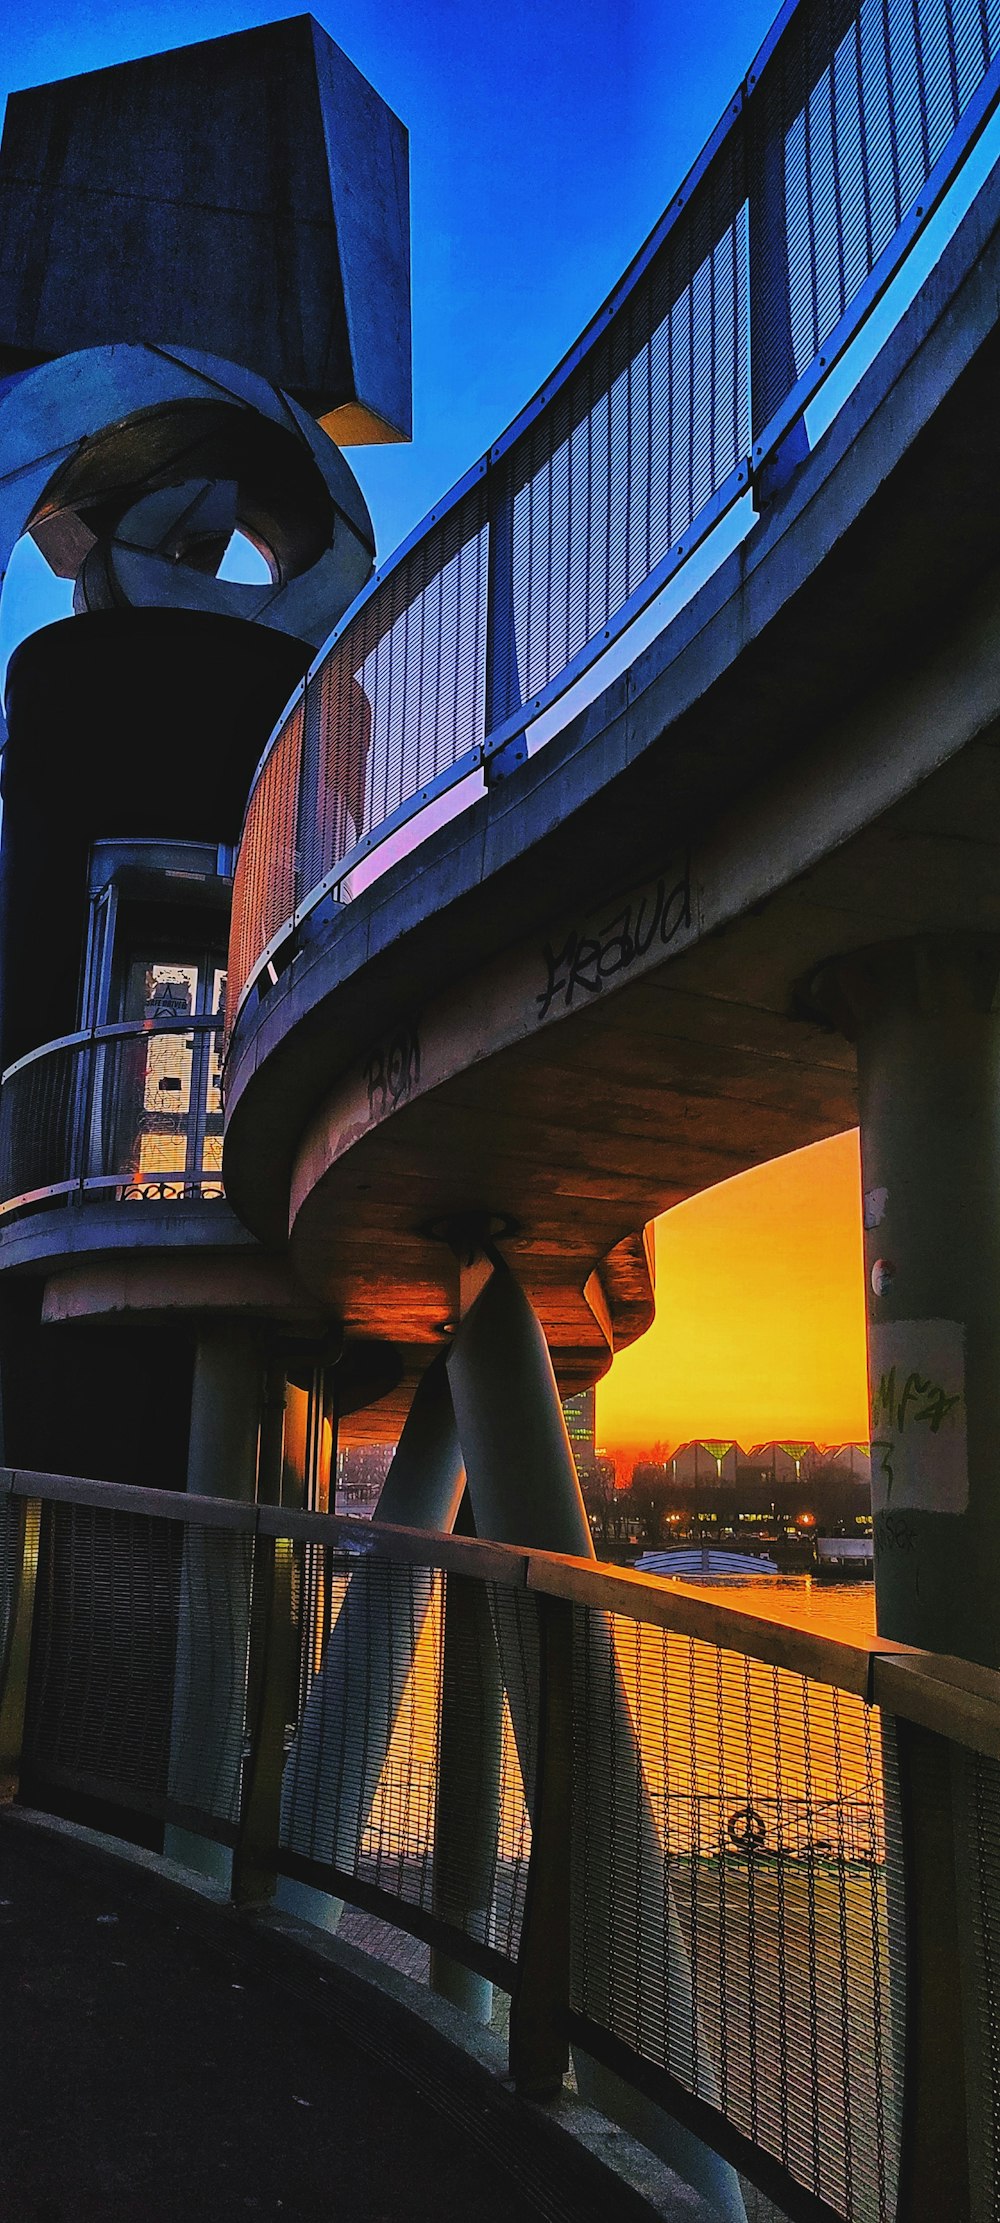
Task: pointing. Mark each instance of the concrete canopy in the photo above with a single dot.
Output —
(248, 196)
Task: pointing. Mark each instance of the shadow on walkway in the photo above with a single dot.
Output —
(162, 2061)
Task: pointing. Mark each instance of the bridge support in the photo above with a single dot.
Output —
(924, 1015)
(426, 1479)
(524, 1490)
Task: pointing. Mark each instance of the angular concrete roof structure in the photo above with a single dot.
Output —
(248, 196)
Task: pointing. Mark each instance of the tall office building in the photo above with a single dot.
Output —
(581, 1423)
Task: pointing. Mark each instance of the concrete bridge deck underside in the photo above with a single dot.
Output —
(587, 998)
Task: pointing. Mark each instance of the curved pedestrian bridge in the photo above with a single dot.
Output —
(588, 995)
(489, 993)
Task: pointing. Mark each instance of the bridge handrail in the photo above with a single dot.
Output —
(967, 1700)
(742, 1914)
(824, 169)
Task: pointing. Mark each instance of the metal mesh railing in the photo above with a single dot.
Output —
(134, 1109)
(755, 1949)
(979, 1797)
(139, 1658)
(404, 1773)
(596, 491)
(10, 1548)
(842, 139)
(738, 1905)
(860, 102)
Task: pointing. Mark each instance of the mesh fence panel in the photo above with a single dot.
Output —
(405, 1770)
(848, 121)
(412, 667)
(737, 1900)
(42, 1123)
(210, 1674)
(397, 701)
(266, 877)
(136, 1691)
(11, 1517)
(598, 489)
(978, 1781)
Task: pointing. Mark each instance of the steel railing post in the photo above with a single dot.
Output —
(17, 1651)
(503, 680)
(934, 2159)
(539, 2009)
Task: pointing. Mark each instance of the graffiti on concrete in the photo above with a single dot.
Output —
(392, 1072)
(592, 954)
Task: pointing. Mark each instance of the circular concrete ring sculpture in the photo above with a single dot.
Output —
(131, 466)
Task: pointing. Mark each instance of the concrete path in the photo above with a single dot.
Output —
(163, 2062)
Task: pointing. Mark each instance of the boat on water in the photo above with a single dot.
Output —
(707, 1563)
(844, 1559)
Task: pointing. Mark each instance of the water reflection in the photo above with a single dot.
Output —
(839, 1609)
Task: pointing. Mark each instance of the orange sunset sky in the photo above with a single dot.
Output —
(760, 1327)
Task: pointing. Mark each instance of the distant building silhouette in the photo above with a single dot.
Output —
(711, 1489)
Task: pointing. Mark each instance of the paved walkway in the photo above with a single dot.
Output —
(161, 2062)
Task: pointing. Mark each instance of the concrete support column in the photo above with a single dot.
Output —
(925, 1020)
(225, 1412)
(924, 1016)
(213, 1615)
(470, 1739)
(524, 1490)
(523, 1483)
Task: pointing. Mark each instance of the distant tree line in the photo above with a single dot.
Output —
(656, 1507)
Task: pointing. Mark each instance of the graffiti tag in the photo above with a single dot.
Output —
(918, 1440)
(590, 956)
(392, 1072)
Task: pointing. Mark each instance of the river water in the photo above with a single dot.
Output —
(844, 1609)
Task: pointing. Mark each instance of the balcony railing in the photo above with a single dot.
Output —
(750, 1868)
(825, 169)
(132, 1110)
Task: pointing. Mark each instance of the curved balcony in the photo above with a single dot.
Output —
(131, 1112)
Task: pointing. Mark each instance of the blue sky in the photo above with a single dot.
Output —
(544, 141)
